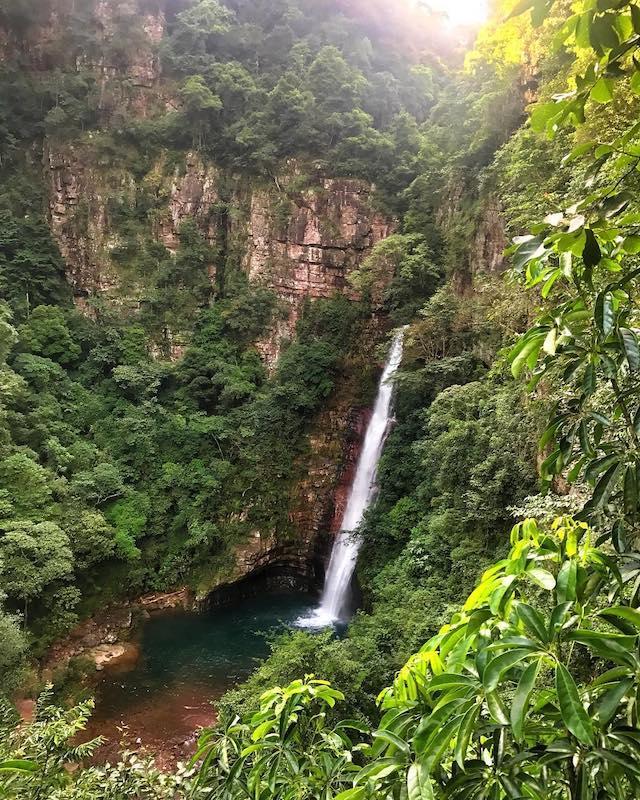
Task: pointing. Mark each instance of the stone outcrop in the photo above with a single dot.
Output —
(489, 241)
(301, 245)
(127, 74)
(307, 245)
(193, 195)
(78, 192)
(121, 655)
(105, 637)
(486, 231)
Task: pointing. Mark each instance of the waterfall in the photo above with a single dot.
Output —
(344, 555)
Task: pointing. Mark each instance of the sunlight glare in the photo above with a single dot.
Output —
(462, 12)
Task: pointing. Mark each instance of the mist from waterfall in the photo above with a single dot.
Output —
(344, 555)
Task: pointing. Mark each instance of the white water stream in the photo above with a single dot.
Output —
(344, 555)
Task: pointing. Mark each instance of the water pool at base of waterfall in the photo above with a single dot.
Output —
(188, 659)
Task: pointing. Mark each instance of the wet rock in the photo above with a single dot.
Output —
(26, 708)
(108, 656)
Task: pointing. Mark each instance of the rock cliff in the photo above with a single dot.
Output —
(302, 245)
(305, 245)
(300, 233)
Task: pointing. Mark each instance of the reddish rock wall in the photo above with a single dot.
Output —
(325, 235)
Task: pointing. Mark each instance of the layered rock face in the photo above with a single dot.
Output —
(301, 245)
(78, 219)
(487, 231)
(490, 241)
(80, 193)
(124, 81)
(307, 248)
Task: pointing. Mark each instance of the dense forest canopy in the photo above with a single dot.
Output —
(135, 466)
(504, 530)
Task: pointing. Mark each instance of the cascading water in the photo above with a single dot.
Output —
(347, 544)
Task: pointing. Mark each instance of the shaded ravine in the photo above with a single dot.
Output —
(190, 659)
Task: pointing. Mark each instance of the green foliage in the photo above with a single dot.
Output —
(47, 334)
(462, 451)
(31, 270)
(43, 759)
(403, 269)
(14, 648)
(302, 81)
(287, 750)
(507, 698)
(528, 691)
(583, 258)
(110, 459)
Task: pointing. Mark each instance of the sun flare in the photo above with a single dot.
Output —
(462, 12)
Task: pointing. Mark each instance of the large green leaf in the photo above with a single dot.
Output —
(533, 621)
(609, 704)
(616, 647)
(358, 793)
(521, 698)
(18, 765)
(419, 786)
(573, 713)
(630, 491)
(604, 312)
(392, 739)
(604, 487)
(497, 708)
(526, 351)
(542, 577)
(499, 665)
(591, 253)
(616, 757)
(449, 680)
(567, 581)
(631, 615)
(465, 732)
(602, 91)
(629, 343)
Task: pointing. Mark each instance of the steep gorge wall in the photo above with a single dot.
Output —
(299, 236)
(308, 244)
(472, 222)
(300, 244)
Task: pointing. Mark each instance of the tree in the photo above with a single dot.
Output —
(14, 647)
(46, 333)
(201, 108)
(287, 750)
(585, 257)
(33, 557)
(335, 83)
(529, 691)
(402, 268)
(197, 32)
(29, 485)
(31, 269)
